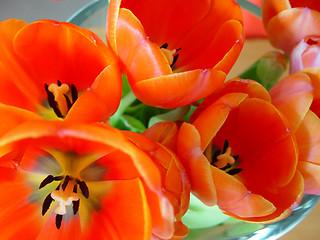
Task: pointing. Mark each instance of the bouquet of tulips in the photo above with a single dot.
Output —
(109, 141)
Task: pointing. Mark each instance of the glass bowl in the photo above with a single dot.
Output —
(93, 17)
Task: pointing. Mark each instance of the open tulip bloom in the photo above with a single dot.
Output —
(131, 139)
(71, 76)
(175, 55)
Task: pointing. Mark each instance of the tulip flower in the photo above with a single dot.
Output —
(240, 154)
(297, 97)
(57, 70)
(175, 52)
(63, 180)
(176, 186)
(253, 25)
(293, 26)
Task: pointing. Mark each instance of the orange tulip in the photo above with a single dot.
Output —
(293, 26)
(57, 70)
(175, 52)
(176, 186)
(77, 181)
(297, 97)
(253, 25)
(240, 155)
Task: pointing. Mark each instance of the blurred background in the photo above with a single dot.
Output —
(31, 10)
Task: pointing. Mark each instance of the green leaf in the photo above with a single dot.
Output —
(173, 115)
(267, 70)
(125, 86)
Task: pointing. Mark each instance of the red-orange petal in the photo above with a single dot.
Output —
(234, 198)
(124, 213)
(308, 138)
(196, 164)
(174, 179)
(102, 100)
(291, 26)
(271, 144)
(73, 57)
(10, 66)
(165, 133)
(271, 8)
(310, 173)
(12, 116)
(253, 25)
(293, 96)
(19, 213)
(314, 74)
(209, 122)
(219, 53)
(179, 89)
(236, 85)
(285, 200)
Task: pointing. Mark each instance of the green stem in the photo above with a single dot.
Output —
(124, 104)
(251, 7)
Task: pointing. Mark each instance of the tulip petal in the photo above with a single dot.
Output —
(293, 96)
(175, 183)
(289, 27)
(309, 152)
(85, 140)
(165, 133)
(314, 74)
(70, 229)
(271, 8)
(71, 57)
(116, 218)
(270, 145)
(179, 89)
(196, 164)
(308, 137)
(236, 85)
(101, 101)
(10, 66)
(310, 173)
(12, 116)
(18, 213)
(165, 20)
(237, 199)
(285, 199)
(214, 23)
(212, 118)
(220, 52)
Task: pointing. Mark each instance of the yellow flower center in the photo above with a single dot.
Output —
(73, 175)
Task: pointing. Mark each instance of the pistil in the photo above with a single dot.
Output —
(61, 97)
(171, 55)
(224, 160)
(59, 93)
(65, 195)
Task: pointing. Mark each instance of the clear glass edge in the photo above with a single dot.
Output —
(84, 13)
